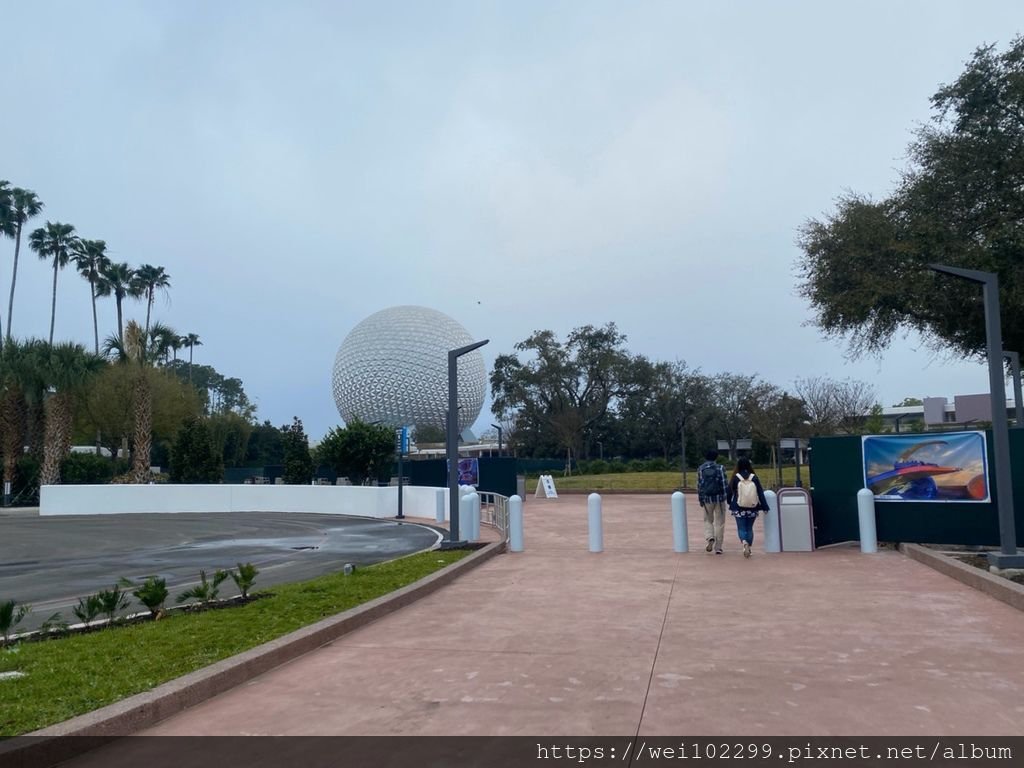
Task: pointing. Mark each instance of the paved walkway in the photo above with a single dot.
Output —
(558, 641)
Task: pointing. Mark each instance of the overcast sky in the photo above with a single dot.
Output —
(522, 165)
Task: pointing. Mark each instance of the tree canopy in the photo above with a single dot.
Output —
(960, 201)
(358, 451)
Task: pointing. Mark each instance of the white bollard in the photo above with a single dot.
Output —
(680, 539)
(772, 524)
(465, 515)
(474, 516)
(441, 507)
(594, 522)
(866, 518)
(515, 524)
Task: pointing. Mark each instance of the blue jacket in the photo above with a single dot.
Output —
(739, 511)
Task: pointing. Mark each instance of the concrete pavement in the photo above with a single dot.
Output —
(640, 640)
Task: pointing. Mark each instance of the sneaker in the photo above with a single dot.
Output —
(718, 551)
(746, 549)
(710, 546)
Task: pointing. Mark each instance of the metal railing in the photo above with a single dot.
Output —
(494, 512)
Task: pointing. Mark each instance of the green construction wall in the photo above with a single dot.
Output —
(837, 472)
(497, 474)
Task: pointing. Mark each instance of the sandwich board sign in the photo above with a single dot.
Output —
(546, 487)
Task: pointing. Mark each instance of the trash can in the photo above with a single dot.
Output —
(796, 523)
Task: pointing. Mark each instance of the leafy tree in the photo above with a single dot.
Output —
(221, 394)
(774, 415)
(960, 202)
(106, 406)
(193, 456)
(265, 446)
(358, 450)
(565, 389)
(908, 402)
(24, 205)
(298, 463)
(91, 259)
(230, 435)
(875, 424)
(67, 370)
(733, 394)
(54, 242)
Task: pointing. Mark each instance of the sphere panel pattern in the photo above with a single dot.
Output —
(392, 368)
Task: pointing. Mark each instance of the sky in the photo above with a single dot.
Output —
(519, 166)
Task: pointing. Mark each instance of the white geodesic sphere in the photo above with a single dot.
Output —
(393, 368)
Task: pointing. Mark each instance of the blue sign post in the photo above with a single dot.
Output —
(402, 448)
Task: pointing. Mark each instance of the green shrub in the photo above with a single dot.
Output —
(26, 478)
(616, 467)
(11, 614)
(90, 469)
(88, 609)
(151, 593)
(111, 601)
(193, 457)
(244, 576)
(598, 467)
(659, 465)
(205, 591)
(636, 465)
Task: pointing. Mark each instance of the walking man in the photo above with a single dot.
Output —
(711, 493)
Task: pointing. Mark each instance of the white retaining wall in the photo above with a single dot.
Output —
(417, 501)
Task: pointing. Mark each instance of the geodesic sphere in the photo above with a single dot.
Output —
(393, 368)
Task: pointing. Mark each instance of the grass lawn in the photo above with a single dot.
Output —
(73, 675)
(660, 481)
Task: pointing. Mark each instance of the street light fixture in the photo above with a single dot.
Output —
(452, 447)
(499, 437)
(1008, 556)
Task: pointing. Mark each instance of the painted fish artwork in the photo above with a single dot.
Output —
(948, 467)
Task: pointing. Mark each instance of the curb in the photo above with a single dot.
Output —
(48, 746)
(994, 586)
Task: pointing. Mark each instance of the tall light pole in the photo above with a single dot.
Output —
(499, 437)
(1018, 402)
(452, 447)
(1008, 556)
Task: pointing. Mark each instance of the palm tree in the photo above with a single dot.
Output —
(21, 383)
(24, 205)
(67, 368)
(161, 339)
(91, 259)
(118, 279)
(147, 280)
(190, 341)
(136, 350)
(54, 241)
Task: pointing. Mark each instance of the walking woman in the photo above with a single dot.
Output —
(746, 499)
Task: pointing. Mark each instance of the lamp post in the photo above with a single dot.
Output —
(499, 437)
(452, 446)
(600, 450)
(1018, 402)
(1008, 556)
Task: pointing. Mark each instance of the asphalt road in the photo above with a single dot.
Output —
(49, 562)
